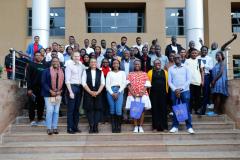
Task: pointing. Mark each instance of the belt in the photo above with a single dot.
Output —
(77, 85)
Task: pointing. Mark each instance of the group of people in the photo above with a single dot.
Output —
(105, 82)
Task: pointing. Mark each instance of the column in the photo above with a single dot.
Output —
(40, 21)
(194, 21)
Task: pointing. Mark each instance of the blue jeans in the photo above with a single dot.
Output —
(185, 98)
(115, 105)
(73, 108)
(206, 93)
(52, 113)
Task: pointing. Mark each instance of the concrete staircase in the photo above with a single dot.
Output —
(215, 138)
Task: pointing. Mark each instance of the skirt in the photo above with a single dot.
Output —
(145, 100)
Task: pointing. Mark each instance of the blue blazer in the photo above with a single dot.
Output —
(46, 83)
(131, 65)
(30, 50)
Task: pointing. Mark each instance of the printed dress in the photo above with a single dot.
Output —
(138, 80)
(221, 85)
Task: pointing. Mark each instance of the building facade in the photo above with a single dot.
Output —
(109, 20)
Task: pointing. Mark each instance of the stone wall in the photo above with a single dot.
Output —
(232, 106)
(12, 100)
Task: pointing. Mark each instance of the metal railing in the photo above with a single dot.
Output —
(19, 62)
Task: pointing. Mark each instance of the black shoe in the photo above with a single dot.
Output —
(91, 130)
(113, 119)
(118, 124)
(70, 131)
(95, 128)
(77, 130)
(49, 132)
(55, 131)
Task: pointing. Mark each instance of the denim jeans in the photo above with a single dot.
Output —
(185, 98)
(115, 105)
(206, 93)
(73, 108)
(52, 113)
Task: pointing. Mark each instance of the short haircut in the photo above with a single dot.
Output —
(36, 37)
(54, 43)
(71, 37)
(203, 47)
(123, 37)
(138, 38)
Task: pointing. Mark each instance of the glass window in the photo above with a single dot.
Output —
(115, 20)
(236, 66)
(57, 22)
(175, 21)
(235, 20)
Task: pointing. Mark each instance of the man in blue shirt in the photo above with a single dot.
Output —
(34, 47)
(179, 79)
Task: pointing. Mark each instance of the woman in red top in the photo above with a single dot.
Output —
(138, 82)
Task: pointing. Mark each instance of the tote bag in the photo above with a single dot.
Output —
(181, 111)
(136, 109)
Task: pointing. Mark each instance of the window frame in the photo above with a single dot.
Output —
(176, 28)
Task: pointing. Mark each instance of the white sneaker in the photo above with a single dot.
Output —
(141, 129)
(41, 123)
(190, 130)
(135, 129)
(174, 130)
(33, 123)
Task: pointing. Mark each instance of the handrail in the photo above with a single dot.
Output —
(14, 52)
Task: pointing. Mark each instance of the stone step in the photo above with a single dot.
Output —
(217, 155)
(123, 146)
(148, 118)
(125, 127)
(125, 136)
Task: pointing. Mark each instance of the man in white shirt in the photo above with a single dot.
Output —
(196, 69)
(55, 48)
(86, 45)
(208, 65)
(139, 45)
(73, 80)
(103, 47)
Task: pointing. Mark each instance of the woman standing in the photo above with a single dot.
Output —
(138, 83)
(158, 96)
(219, 83)
(93, 82)
(105, 68)
(86, 61)
(115, 85)
(52, 82)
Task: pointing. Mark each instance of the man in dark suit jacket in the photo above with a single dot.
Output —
(145, 60)
(127, 62)
(173, 46)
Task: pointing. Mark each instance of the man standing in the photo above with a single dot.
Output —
(55, 47)
(103, 47)
(86, 45)
(36, 101)
(93, 44)
(179, 79)
(73, 75)
(173, 46)
(34, 47)
(139, 44)
(122, 47)
(162, 58)
(71, 41)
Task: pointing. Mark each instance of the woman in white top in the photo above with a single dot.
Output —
(115, 84)
(93, 82)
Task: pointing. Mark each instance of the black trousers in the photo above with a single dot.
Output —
(38, 105)
(195, 97)
(93, 116)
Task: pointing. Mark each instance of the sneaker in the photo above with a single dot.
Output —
(41, 123)
(141, 129)
(190, 130)
(174, 130)
(33, 123)
(135, 129)
(171, 114)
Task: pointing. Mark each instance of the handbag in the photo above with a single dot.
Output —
(136, 109)
(181, 111)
